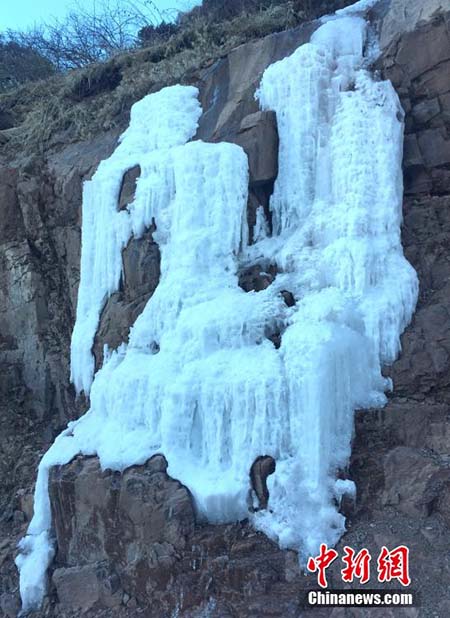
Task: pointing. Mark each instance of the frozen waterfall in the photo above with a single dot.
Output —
(215, 393)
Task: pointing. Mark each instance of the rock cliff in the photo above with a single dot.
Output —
(104, 521)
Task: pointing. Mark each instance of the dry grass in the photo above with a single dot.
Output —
(82, 103)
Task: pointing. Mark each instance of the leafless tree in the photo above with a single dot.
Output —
(91, 35)
(20, 63)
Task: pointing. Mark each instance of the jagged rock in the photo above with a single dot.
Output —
(141, 271)
(81, 588)
(258, 136)
(128, 188)
(424, 111)
(425, 363)
(99, 515)
(262, 468)
(135, 534)
(440, 181)
(413, 482)
(6, 120)
(227, 90)
(422, 83)
(39, 271)
(10, 605)
(115, 321)
(11, 223)
(288, 298)
(434, 146)
(398, 19)
(257, 277)
(412, 155)
(141, 267)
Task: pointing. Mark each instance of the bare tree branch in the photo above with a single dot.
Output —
(88, 35)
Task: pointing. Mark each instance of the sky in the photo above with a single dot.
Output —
(22, 14)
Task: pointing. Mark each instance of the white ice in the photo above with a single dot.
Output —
(357, 7)
(200, 381)
(158, 123)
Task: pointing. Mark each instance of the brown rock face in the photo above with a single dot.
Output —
(106, 515)
(258, 136)
(425, 362)
(128, 188)
(121, 550)
(141, 271)
(421, 80)
(111, 526)
(413, 481)
(129, 542)
(39, 272)
(400, 455)
(227, 89)
(257, 277)
(82, 588)
(140, 276)
(231, 113)
(262, 468)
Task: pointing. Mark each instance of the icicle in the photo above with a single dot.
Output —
(261, 229)
(158, 123)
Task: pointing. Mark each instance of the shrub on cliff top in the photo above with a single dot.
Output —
(20, 63)
(81, 103)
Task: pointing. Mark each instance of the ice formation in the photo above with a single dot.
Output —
(200, 381)
(356, 8)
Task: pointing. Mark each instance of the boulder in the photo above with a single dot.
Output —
(126, 517)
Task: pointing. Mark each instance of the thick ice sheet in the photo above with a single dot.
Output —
(158, 123)
(200, 381)
(337, 210)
